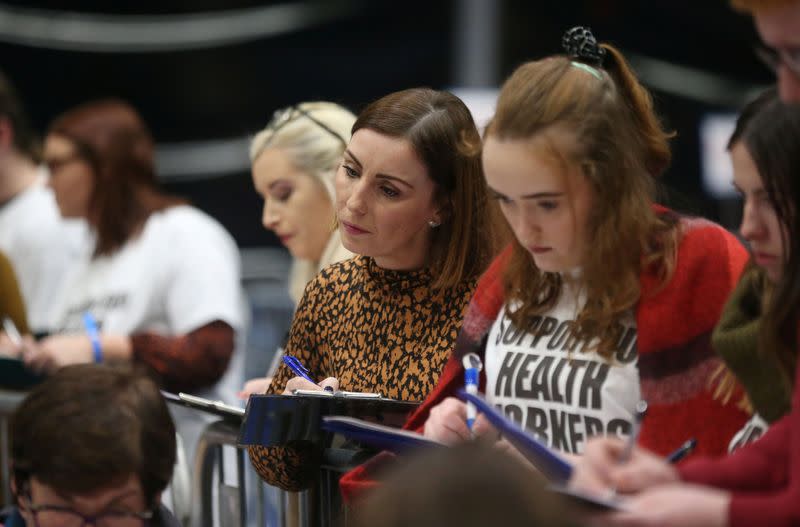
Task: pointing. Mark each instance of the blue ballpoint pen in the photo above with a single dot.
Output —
(297, 367)
(684, 450)
(92, 332)
(472, 369)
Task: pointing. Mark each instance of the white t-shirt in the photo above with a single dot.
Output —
(180, 273)
(548, 385)
(41, 245)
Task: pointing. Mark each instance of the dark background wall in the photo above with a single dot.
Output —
(350, 52)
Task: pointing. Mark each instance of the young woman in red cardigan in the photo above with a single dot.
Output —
(603, 299)
(758, 484)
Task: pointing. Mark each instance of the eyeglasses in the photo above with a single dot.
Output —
(54, 164)
(285, 116)
(774, 57)
(59, 516)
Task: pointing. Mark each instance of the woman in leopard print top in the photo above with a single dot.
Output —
(412, 201)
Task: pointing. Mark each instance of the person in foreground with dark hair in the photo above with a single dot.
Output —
(92, 444)
(468, 485)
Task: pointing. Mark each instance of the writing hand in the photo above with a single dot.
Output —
(299, 383)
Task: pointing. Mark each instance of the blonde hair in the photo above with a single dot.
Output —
(315, 149)
(619, 146)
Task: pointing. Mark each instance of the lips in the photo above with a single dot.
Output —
(539, 250)
(763, 258)
(353, 229)
(285, 238)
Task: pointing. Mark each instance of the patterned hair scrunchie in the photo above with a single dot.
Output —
(579, 44)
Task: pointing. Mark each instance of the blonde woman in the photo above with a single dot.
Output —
(294, 161)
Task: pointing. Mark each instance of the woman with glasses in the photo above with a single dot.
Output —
(411, 201)
(160, 286)
(778, 24)
(112, 459)
(294, 161)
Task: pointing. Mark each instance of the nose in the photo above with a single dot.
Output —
(356, 200)
(269, 217)
(752, 228)
(788, 85)
(527, 229)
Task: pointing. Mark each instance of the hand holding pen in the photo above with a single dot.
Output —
(609, 466)
(13, 344)
(630, 444)
(303, 381)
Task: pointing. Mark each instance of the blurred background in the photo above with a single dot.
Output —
(208, 74)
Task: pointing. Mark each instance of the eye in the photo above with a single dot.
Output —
(350, 171)
(504, 200)
(389, 192)
(548, 205)
(283, 196)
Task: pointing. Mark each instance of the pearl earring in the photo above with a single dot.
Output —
(433, 224)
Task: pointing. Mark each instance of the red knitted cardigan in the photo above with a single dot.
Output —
(676, 359)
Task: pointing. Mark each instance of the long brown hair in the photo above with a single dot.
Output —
(441, 131)
(620, 147)
(770, 130)
(112, 138)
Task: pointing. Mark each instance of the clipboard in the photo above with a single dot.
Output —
(14, 375)
(380, 436)
(341, 394)
(542, 456)
(218, 408)
(275, 420)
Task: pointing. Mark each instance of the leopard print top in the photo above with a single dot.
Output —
(373, 329)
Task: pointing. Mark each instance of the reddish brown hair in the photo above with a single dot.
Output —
(619, 145)
(442, 133)
(111, 136)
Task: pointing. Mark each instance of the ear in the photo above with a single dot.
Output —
(6, 134)
(444, 212)
(21, 504)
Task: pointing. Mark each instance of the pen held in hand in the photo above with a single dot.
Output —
(682, 451)
(297, 367)
(627, 451)
(640, 411)
(11, 330)
(472, 367)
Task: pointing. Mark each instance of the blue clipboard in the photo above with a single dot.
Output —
(380, 436)
(542, 456)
